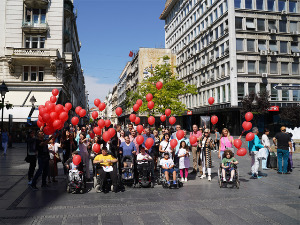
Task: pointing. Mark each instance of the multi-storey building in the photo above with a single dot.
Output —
(232, 48)
(39, 51)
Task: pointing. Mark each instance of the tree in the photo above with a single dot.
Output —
(167, 97)
(257, 103)
(291, 114)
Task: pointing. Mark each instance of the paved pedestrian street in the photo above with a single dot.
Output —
(273, 199)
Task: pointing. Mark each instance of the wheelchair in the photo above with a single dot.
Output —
(163, 181)
(76, 181)
(235, 182)
(144, 173)
(107, 183)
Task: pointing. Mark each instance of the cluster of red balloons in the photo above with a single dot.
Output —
(51, 116)
(99, 104)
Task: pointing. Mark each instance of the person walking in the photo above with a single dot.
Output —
(217, 139)
(31, 154)
(206, 144)
(226, 142)
(266, 143)
(282, 141)
(195, 152)
(254, 147)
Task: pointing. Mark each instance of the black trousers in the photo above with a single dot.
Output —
(102, 177)
(32, 166)
(43, 169)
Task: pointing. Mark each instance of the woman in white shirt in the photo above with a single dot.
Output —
(266, 143)
(53, 149)
(165, 146)
(83, 152)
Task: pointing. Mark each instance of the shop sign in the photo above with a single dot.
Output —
(273, 109)
(189, 113)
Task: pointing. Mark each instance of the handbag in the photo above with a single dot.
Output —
(262, 153)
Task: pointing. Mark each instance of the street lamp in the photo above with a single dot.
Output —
(32, 100)
(3, 90)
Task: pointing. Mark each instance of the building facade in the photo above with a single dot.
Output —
(39, 51)
(229, 49)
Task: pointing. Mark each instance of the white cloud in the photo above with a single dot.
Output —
(96, 89)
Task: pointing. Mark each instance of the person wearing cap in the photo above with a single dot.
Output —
(282, 141)
(167, 166)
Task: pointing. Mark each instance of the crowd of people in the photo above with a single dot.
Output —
(48, 151)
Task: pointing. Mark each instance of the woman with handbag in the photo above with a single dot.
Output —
(206, 144)
(226, 143)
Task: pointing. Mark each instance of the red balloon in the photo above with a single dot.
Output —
(57, 124)
(119, 111)
(107, 123)
(140, 139)
(214, 119)
(77, 109)
(140, 129)
(136, 107)
(101, 123)
(151, 120)
(150, 104)
(102, 106)
(241, 152)
(149, 143)
(132, 117)
(249, 136)
(162, 118)
(149, 97)
(55, 92)
(53, 116)
(95, 115)
(96, 148)
(42, 111)
(211, 100)
(193, 140)
(75, 120)
(97, 130)
(82, 113)
(39, 123)
(173, 143)
(247, 125)
(59, 108)
(50, 106)
(106, 136)
(112, 132)
(68, 105)
(77, 160)
(172, 120)
(41, 118)
(97, 102)
(168, 112)
(48, 130)
(41, 107)
(139, 102)
(249, 116)
(63, 116)
(53, 99)
(159, 85)
(237, 143)
(66, 110)
(180, 134)
(46, 117)
(92, 135)
(137, 120)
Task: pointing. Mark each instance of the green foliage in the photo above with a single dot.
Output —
(256, 103)
(167, 97)
(291, 114)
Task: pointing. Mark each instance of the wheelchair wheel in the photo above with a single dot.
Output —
(220, 178)
(152, 184)
(68, 189)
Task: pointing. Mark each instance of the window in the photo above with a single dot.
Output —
(250, 24)
(251, 88)
(282, 25)
(273, 68)
(296, 94)
(273, 46)
(41, 73)
(293, 26)
(271, 5)
(260, 4)
(283, 47)
(237, 3)
(240, 66)
(26, 73)
(285, 95)
(292, 6)
(217, 33)
(35, 16)
(272, 25)
(239, 44)
(224, 93)
(238, 22)
(241, 91)
(34, 42)
(30, 73)
(295, 68)
(248, 4)
(221, 10)
(262, 45)
(262, 67)
(285, 68)
(250, 45)
(274, 93)
(251, 67)
(262, 87)
(216, 14)
(294, 47)
(33, 73)
(281, 5)
(261, 24)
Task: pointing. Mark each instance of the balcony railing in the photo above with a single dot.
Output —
(35, 27)
(31, 52)
(36, 3)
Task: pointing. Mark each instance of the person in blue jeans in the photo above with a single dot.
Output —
(282, 141)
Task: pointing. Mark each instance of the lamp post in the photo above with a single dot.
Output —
(32, 100)
(3, 91)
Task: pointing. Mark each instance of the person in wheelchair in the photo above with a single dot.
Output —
(228, 165)
(106, 166)
(167, 166)
(144, 168)
(127, 150)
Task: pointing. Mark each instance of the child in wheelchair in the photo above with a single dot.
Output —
(144, 168)
(167, 166)
(228, 165)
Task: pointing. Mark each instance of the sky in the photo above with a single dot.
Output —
(108, 31)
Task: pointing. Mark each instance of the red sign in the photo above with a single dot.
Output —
(189, 112)
(273, 109)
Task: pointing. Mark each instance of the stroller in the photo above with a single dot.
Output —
(145, 176)
(235, 182)
(128, 172)
(76, 180)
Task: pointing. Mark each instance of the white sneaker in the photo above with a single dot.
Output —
(209, 178)
(203, 176)
(182, 179)
(224, 179)
(185, 179)
(230, 180)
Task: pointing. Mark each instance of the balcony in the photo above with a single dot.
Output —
(37, 4)
(30, 52)
(35, 28)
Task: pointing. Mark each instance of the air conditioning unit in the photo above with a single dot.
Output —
(263, 52)
(265, 75)
(294, 32)
(296, 54)
(273, 31)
